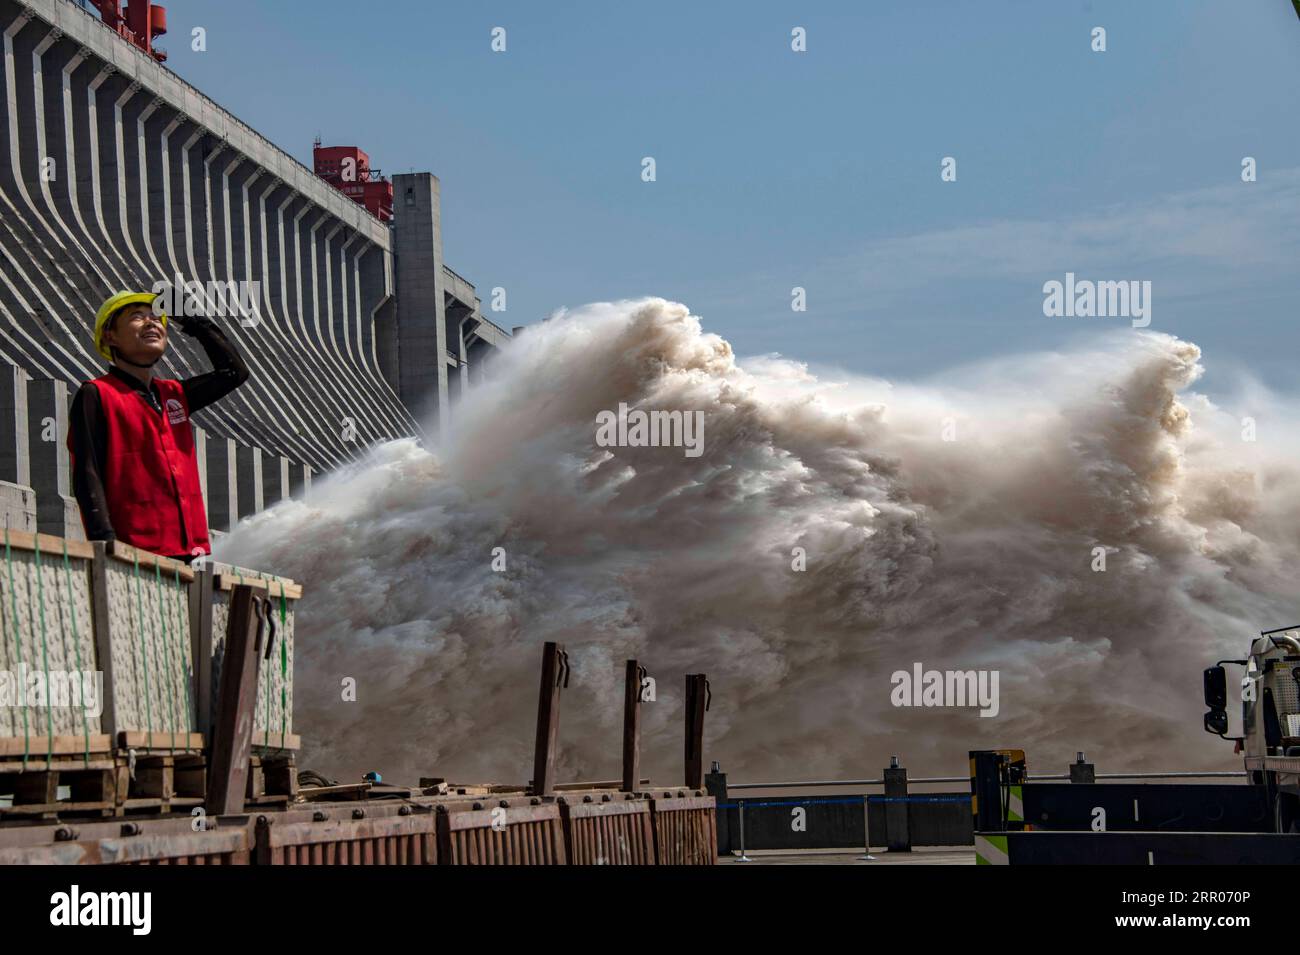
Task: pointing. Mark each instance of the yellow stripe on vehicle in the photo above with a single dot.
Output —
(991, 850)
(1016, 805)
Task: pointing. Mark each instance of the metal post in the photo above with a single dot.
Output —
(1082, 771)
(897, 836)
(232, 739)
(634, 680)
(555, 675)
(743, 858)
(715, 784)
(866, 828)
(697, 702)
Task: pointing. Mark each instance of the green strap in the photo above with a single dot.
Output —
(76, 649)
(266, 697)
(144, 655)
(185, 657)
(284, 667)
(167, 642)
(45, 650)
(18, 643)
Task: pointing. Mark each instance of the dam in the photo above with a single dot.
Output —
(115, 173)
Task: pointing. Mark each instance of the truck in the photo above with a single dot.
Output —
(1270, 719)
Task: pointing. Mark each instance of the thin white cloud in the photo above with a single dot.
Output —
(1233, 228)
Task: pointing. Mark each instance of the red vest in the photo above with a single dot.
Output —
(151, 474)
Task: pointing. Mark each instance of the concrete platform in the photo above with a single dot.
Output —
(944, 855)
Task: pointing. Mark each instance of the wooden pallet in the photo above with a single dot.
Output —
(159, 742)
(132, 782)
(93, 788)
(437, 786)
(352, 791)
(37, 748)
(135, 778)
(160, 783)
(272, 780)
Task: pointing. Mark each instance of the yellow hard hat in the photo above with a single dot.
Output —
(116, 301)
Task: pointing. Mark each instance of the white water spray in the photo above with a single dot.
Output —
(952, 525)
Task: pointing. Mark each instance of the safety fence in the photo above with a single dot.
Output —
(847, 814)
(638, 830)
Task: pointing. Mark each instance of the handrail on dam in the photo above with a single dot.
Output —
(205, 98)
(816, 783)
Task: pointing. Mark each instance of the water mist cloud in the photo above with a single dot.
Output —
(954, 524)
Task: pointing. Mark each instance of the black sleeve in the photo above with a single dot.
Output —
(89, 449)
(228, 369)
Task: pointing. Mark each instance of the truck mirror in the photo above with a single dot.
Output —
(1216, 722)
(1216, 689)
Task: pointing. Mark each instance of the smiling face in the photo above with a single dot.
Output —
(137, 334)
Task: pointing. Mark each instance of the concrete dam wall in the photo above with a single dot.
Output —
(117, 174)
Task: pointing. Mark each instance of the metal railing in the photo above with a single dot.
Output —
(741, 805)
(922, 780)
(452, 272)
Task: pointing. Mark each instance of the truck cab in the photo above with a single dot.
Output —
(1270, 718)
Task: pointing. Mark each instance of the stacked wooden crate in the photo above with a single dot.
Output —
(48, 656)
(142, 638)
(142, 632)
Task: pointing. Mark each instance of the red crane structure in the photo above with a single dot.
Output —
(140, 23)
(347, 169)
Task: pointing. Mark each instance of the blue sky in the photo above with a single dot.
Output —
(821, 169)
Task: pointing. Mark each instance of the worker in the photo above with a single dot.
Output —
(134, 470)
